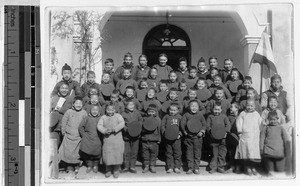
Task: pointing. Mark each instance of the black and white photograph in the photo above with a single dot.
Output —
(169, 92)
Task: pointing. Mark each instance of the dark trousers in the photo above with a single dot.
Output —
(173, 154)
(193, 151)
(149, 152)
(274, 164)
(90, 160)
(219, 154)
(130, 153)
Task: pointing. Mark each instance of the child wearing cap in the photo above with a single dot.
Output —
(127, 64)
(248, 125)
(66, 72)
(218, 97)
(150, 99)
(131, 115)
(202, 69)
(218, 126)
(234, 82)
(170, 129)
(182, 91)
(172, 82)
(69, 149)
(163, 69)
(115, 101)
(203, 93)
(109, 69)
(150, 138)
(276, 90)
(182, 71)
(141, 70)
(218, 83)
(273, 144)
(106, 86)
(192, 95)
(91, 145)
(111, 125)
(192, 78)
(163, 91)
(153, 80)
(126, 81)
(90, 82)
(242, 90)
(60, 103)
(130, 93)
(193, 126)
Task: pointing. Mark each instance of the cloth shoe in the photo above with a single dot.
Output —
(177, 171)
(196, 171)
(152, 169)
(169, 171)
(146, 169)
(190, 171)
(132, 170)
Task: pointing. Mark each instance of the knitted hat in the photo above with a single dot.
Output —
(201, 60)
(66, 67)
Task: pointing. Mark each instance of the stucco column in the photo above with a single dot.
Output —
(250, 43)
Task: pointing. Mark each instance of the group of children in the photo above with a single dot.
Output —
(135, 108)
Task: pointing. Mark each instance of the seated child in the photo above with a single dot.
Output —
(183, 91)
(171, 124)
(233, 82)
(69, 149)
(276, 89)
(251, 95)
(91, 145)
(126, 81)
(203, 94)
(66, 72)
(171, 98)
(150, 99)
(60, 103)
(218, 97)
(141, 92)
(225, 73)
(130, 93)
(130, 115)
(163, 91)
(218, 83)
(193, 140)
(150, 141)
(248, 125)
(182, 71)
(141, 70)
(172, 82)
(273, 144)
(163, 69)
(111, 125)
(192, 78)
(106, 86)
(115, 101)
(202, 69)
(109, 69)
(242, 90)
(218, 126)
(210, 78)
(94, 100)
(153, 80)
(192, 95)
(273, 106)
(90, 82)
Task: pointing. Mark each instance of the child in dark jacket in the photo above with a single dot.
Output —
(273, 144)
(210, 78)
(106, 86)
(130, 115)
(60, 103)
(142, 70)
(171, 98)
(130, 93)
(218, 83)
(182, 91)
(126, 81)
(172, 82)
(163, 91)
(91, 147)
(109, 69)
(170, 130)
(203, 93)
(90, 82)
(163, 69)
(202, 69)
(150, 141)
(142, 91)
(93, 90)
(192, 78)
(115, 101)
(251, 95)
(242, 90)
(150, 99)
(67, 79)
(192, 95)
(94, 100)
(153, 80)
(234, 82)
(218, 97)
(182, 72)
(218, 126)
(193, 140)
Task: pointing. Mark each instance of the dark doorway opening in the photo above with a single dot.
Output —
(168, 39)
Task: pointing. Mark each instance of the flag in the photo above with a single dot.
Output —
(263, 56)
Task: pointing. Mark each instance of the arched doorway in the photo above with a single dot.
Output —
(168, 39)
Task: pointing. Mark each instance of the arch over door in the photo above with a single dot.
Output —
(168, 39)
